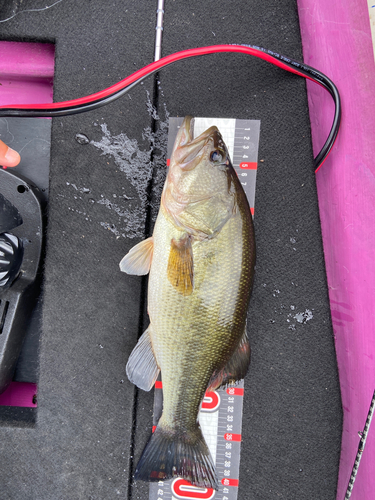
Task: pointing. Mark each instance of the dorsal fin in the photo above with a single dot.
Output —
(235, 369)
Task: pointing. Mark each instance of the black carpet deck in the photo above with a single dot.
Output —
(91, 422)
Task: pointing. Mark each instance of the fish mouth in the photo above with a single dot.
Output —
(191, 151)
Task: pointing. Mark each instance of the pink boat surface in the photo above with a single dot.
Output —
(336, 38)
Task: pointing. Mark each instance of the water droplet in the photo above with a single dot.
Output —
(82, 139)
(304, 317)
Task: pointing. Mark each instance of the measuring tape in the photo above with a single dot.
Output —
(220, 416)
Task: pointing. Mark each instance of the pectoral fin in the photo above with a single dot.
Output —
(235, 369)
(138, 259)
(142, 369)
(180, 270)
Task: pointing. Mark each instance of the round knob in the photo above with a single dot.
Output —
(11, 253)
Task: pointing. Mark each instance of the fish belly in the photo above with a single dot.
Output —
(196, 334)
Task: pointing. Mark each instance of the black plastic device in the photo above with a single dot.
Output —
(21, 242)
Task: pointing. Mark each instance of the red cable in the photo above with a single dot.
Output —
(274, 58)
(141, 73)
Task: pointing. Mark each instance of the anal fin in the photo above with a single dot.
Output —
(235, 369)
(141, 368)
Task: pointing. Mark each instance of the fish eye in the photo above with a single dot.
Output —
(216, 156)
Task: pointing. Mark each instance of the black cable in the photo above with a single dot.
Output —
(299, 68)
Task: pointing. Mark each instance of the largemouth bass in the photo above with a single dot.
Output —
(201, 262)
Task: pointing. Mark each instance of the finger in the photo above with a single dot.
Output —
(8, 157)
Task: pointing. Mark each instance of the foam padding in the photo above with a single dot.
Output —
(87, 434)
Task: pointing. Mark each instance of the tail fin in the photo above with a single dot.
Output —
(177, 454)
